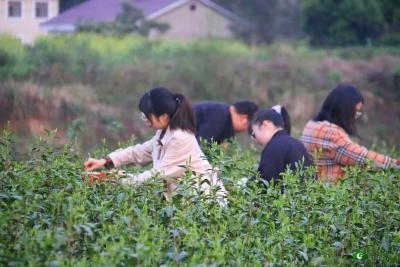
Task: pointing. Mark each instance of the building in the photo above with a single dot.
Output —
(188, 19)
(22, 18)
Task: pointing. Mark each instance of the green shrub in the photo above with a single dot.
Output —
(116, 71)
(90, 57)
(12, 58)
(390, 39)
(51, 217)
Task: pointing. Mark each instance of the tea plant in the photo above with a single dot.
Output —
(50, 217)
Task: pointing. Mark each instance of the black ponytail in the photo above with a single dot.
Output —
(160, 101)
(184, 117)
(286, 120)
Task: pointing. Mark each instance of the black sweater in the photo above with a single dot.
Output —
(282, 151)
(213, 121)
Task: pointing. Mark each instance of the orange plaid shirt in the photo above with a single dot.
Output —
(332, 150)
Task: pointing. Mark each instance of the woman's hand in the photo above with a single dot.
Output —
(93, 164)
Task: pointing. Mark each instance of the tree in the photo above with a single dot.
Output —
(391, 13)
(265, 20)
(342, 22)
(130, 20)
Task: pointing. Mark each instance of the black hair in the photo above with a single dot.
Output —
(246, 108)
(286, 120)
(160, 101)
(281, 119)
(339, 107)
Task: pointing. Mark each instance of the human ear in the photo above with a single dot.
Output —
(164, 117)
(266, 124)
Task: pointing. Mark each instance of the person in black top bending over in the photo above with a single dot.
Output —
(271, 128)
(219, 122)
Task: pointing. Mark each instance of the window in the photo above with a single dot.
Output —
(14, 9)
(41, 10)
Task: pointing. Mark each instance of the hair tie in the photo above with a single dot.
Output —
(277, 108)
(177, 99)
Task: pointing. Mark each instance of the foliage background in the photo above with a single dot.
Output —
(328, 23)
(88, 86)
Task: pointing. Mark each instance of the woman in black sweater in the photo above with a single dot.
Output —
(271, 128)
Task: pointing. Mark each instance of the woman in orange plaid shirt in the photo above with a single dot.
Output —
(327, 136)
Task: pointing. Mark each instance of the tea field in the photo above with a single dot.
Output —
(50, 217)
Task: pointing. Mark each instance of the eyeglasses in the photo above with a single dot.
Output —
(253, 135)
(143, 117)
(358, 114)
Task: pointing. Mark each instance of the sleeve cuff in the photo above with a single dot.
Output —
(109, 163)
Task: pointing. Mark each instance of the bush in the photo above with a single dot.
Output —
(12, 58)
(116, 71)
(331, 23)
(51, 217)
(390, 39)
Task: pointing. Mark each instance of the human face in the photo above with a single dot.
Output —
(160, 122)
(358, 112)
(240, 122)
(262, 133)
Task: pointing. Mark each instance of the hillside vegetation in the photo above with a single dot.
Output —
(87, 86)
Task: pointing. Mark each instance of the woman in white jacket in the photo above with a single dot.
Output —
(172, 150)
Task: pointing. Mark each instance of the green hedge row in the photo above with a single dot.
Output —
(50, 217)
